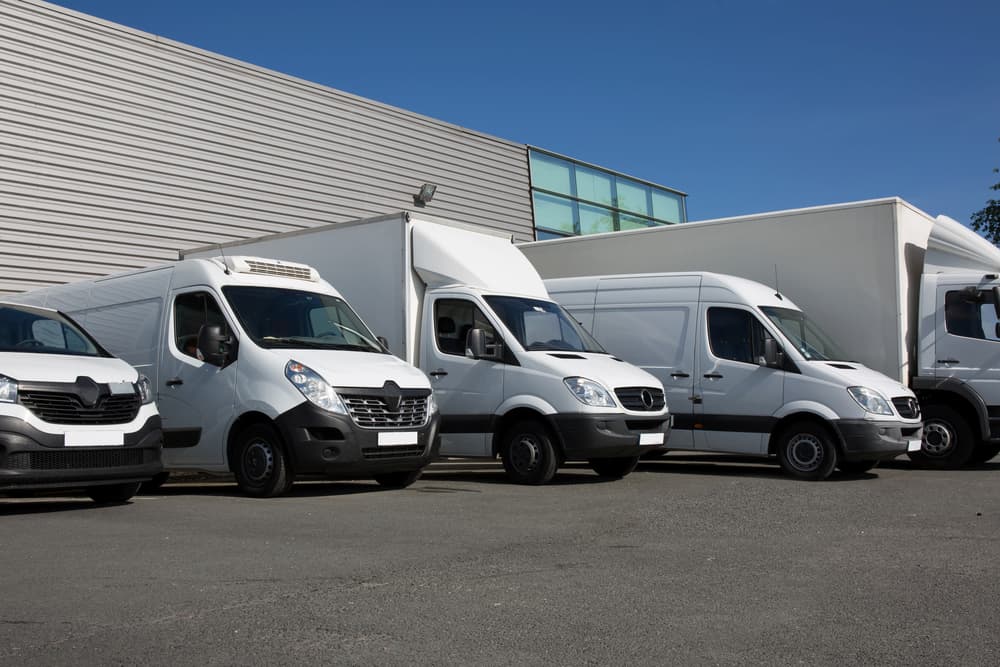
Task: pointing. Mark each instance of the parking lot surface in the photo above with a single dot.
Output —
(689, 560)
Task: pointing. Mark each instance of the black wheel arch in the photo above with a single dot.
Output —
(798, 417)
(244, 421)
(504, 422)
(958, 396)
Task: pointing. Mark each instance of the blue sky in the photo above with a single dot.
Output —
(746, 106)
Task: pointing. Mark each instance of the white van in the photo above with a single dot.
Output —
(515, 376)
(71, 415)
(745, 370)
(262, 369)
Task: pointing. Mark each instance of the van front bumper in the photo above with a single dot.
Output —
(31, 459)
(610, 436)
(323, 443)
(875, 440)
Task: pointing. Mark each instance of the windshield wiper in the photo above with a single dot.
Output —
(291, 340)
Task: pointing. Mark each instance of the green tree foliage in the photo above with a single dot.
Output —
(986, 221)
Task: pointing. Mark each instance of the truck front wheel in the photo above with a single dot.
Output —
(262, 468)
(984, 452)
(615, 468)
(948, 441)
(806, 451)
(528, 454)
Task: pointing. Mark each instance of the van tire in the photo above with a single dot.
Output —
(528, 454)
(614, 468)
(807, 451)
(983, 452)
(261, 464)
(857, 467)
(113, 493)
(948, 441)
(398, 480)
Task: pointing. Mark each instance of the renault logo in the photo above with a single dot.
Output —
(392, 396)
(647, 398)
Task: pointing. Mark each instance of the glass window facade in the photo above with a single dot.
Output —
(571, 199)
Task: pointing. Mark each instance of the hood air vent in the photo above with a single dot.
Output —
(845, 367)
(565, 355)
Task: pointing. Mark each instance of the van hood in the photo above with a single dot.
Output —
(609, 370)
(345, 368)
(35, 367)
(852, 374)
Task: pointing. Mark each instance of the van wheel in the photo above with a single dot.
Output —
(614, 468)
(947, 442)
(984, 452)
(856, 467)
(153, 485)
(806, 451)
(113, 493)
(398, 480)
(527, 453)
(262, 468)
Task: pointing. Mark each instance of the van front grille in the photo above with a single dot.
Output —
(373, 412)
(641, 399)
(75, 460)
(63, 408)
(907, 407)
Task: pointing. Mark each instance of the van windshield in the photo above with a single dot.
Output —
(26, 329)
(542, 325)
(287, 318)
(807, 338)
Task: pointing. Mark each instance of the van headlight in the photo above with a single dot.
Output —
(314, 387)
(870, 400)
(8, 390)
(145, 389)
(590, 393)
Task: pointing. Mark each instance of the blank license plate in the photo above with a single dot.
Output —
(650, 438)
(95, 439)
(396, 439)
(913, 446)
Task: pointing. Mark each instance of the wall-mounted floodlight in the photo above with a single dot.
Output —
(426, 194)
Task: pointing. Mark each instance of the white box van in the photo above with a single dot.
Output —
(746, 371)
(515, 376)
(71, 415)
(263, 369)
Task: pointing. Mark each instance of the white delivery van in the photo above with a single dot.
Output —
(746, 372)
(904, 293)
(261, 368)
(71, 415)
(513, 374)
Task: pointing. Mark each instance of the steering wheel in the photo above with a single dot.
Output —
(30, 342)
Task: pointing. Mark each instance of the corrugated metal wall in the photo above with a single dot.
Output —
(118, 148)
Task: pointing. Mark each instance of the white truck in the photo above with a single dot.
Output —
(903, 293)
(71, 415)
(261, 369)
(745, 370)
(513, 374)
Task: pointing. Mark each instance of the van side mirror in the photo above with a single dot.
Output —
(214, 344)
(477, 347)
(772, 355)
(384, 342)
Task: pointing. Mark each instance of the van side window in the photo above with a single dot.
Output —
(736, 335)
(192, 311)
(453, 320)
(970, 314)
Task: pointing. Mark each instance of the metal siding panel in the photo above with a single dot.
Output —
(121, 148)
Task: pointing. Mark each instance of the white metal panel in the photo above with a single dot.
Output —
(120, 148)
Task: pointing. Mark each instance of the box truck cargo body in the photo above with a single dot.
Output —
(261, 368)
(71, 415)
(513, 374)
(901, 292)
(745, 371)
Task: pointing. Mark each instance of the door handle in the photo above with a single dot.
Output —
(947, 361)
(679, 374)
(438, 373)
(695, 399)
(712, 376)
(173, 382)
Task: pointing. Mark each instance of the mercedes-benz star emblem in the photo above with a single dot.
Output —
(647, 398)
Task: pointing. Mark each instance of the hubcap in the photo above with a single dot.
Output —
(939, 438)
(258, 460)
(525, 453)
(805, 452)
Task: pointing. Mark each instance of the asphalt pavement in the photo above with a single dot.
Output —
(689, 560)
